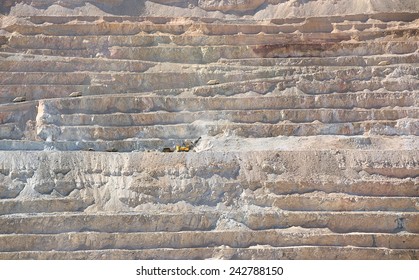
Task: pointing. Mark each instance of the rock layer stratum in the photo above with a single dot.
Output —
(307, 112)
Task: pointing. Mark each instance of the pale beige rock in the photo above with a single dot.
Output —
(383, 63)
(212, 82)
(306, 114)
(230, 5)
(19, 99)
(76, 94)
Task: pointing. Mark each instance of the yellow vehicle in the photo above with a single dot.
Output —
(184, 148)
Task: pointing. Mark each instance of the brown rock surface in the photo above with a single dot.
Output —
(307, 112)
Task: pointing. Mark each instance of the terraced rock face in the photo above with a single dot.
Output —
(309, 130)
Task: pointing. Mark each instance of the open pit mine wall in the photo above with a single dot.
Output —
(258, 9)
(129, 181)
(308, 113)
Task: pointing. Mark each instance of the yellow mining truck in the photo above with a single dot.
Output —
(186, 147)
